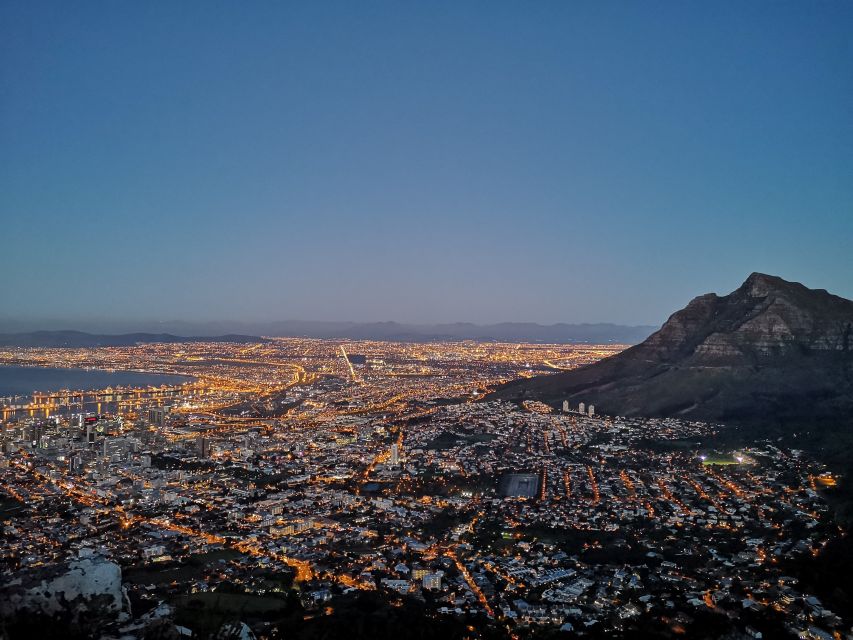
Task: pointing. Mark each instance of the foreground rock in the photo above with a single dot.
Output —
(82, 598)
(82, 589)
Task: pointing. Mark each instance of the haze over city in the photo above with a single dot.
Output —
(576, 162)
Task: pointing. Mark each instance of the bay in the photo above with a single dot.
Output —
(17, 380)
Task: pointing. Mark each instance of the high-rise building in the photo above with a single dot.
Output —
(591, 410)
(39, 439)
(565, 406)
(203, 447)
(395, 454)
(157, 416)
(581, 408)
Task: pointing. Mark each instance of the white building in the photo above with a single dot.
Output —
(432, 581)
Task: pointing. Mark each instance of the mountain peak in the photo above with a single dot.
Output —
(759, 285)
(771, 347)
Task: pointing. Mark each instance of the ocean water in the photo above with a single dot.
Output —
(15, 381)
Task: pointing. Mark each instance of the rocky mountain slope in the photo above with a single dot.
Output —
(772, 351)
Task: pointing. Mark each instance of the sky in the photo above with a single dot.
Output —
(419, 161)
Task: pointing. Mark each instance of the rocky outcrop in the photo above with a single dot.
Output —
(766, 316)
(234, 631)
(87, 588)
(772, 350)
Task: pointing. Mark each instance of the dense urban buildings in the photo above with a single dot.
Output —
(282, 478)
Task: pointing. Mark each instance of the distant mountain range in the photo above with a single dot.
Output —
(560, 333)
(80, 339)
(502, 332)
(772, 352)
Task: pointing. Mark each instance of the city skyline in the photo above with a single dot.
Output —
(564, 163)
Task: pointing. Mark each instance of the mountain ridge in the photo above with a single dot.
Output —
(771, 349)
(395, 331)
(81, 339)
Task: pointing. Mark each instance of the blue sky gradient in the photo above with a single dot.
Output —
(419, 161)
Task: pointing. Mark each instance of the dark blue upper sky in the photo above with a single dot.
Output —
(419, 161)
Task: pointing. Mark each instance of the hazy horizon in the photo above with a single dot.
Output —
(107, 324)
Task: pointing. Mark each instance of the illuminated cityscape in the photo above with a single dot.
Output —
(426, 320)
(338, 467)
